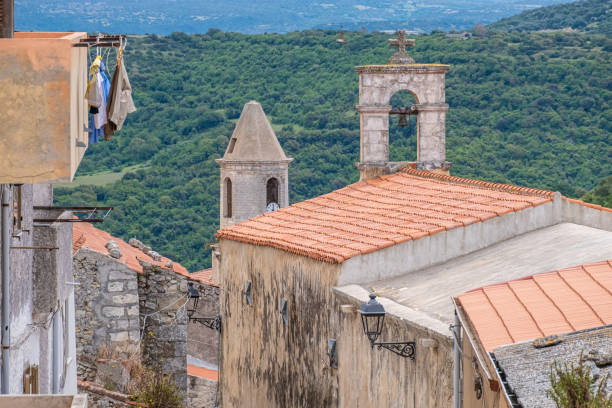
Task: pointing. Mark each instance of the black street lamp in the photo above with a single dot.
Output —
(193, 297)
(372, 319)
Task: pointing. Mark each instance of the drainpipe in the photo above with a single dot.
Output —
(56, 352)
(457, 386)
(6, 284)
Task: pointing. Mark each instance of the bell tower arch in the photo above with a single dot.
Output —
(377, 84)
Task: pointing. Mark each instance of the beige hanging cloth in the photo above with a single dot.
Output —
(120, 102)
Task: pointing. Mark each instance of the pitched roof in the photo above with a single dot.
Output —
(204, 276)
(541, 305)
(253, 138)
(86, 235)
(527, 367)
(202, 372)
(378, 213)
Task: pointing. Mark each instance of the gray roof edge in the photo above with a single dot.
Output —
(416, 318)
(562, 335)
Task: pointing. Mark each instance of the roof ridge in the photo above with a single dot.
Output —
(590, 205)
(510, 188)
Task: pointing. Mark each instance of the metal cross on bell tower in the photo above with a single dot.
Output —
(401, 57)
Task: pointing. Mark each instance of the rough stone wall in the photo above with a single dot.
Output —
(202, 393)
(163, 296)
(249, 188)
(203, 342)
(106, 308)
(265, 362)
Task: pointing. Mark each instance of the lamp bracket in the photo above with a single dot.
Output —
(402, 348)
(210, 322)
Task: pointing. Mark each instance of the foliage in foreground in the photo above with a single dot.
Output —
(575, 387)
(153, 389)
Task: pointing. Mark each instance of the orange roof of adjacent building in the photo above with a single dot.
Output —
(370, 215)
(541, 305)
(86, 235)
(204, 276)
(202, 372)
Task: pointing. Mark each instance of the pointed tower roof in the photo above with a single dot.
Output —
(253, 138)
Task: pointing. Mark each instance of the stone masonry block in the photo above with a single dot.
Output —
(133, 310)
(112, 311)
(115, 286)
(125, 299)
(119, 336)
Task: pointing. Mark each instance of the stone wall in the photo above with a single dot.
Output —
(202, 393)
(249, 181)
(203, 342)
(163, 296)
(106, 308)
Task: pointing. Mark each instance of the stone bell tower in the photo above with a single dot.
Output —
(377, 84)
(254, 169)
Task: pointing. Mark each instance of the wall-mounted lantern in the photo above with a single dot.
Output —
(372, 319)
(247, 293)
(193, 297)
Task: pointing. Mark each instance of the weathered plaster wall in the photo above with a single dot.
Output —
(417, 254)
(43, 147)
(202, 392)
(203, 342)
(163, 296)
(106, 307)
(379, 378)
(265, 362)
(39, 294)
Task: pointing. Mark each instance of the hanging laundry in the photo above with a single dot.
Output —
(119, 103)
(97, 96)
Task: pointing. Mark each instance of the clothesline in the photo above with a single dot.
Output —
(110, 101)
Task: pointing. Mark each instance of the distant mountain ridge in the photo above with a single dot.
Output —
(587, 15)
(274, 16)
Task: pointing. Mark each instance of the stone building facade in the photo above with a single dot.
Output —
(254, 169)
(414, 236)
(132, 304)
(42, 299)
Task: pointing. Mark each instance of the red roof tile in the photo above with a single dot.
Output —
(204, 276)
(202, 372)
(86, 235)
(374, 214)
(541, 305)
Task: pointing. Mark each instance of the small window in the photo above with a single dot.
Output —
(17, 209)
(227, 210)
(230, 149)
(272, 191)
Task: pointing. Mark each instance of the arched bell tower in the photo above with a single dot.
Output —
(254, 169)
(377, 84)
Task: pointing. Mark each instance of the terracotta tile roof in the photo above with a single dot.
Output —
(204, 276)
(374, 214)
(541, 305)
(86, 235)
(202, 372)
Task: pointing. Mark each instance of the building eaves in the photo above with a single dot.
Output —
(371, 215)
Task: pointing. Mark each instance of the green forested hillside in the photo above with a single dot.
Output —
(531, 109)
(601, 194)
(585, 15)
